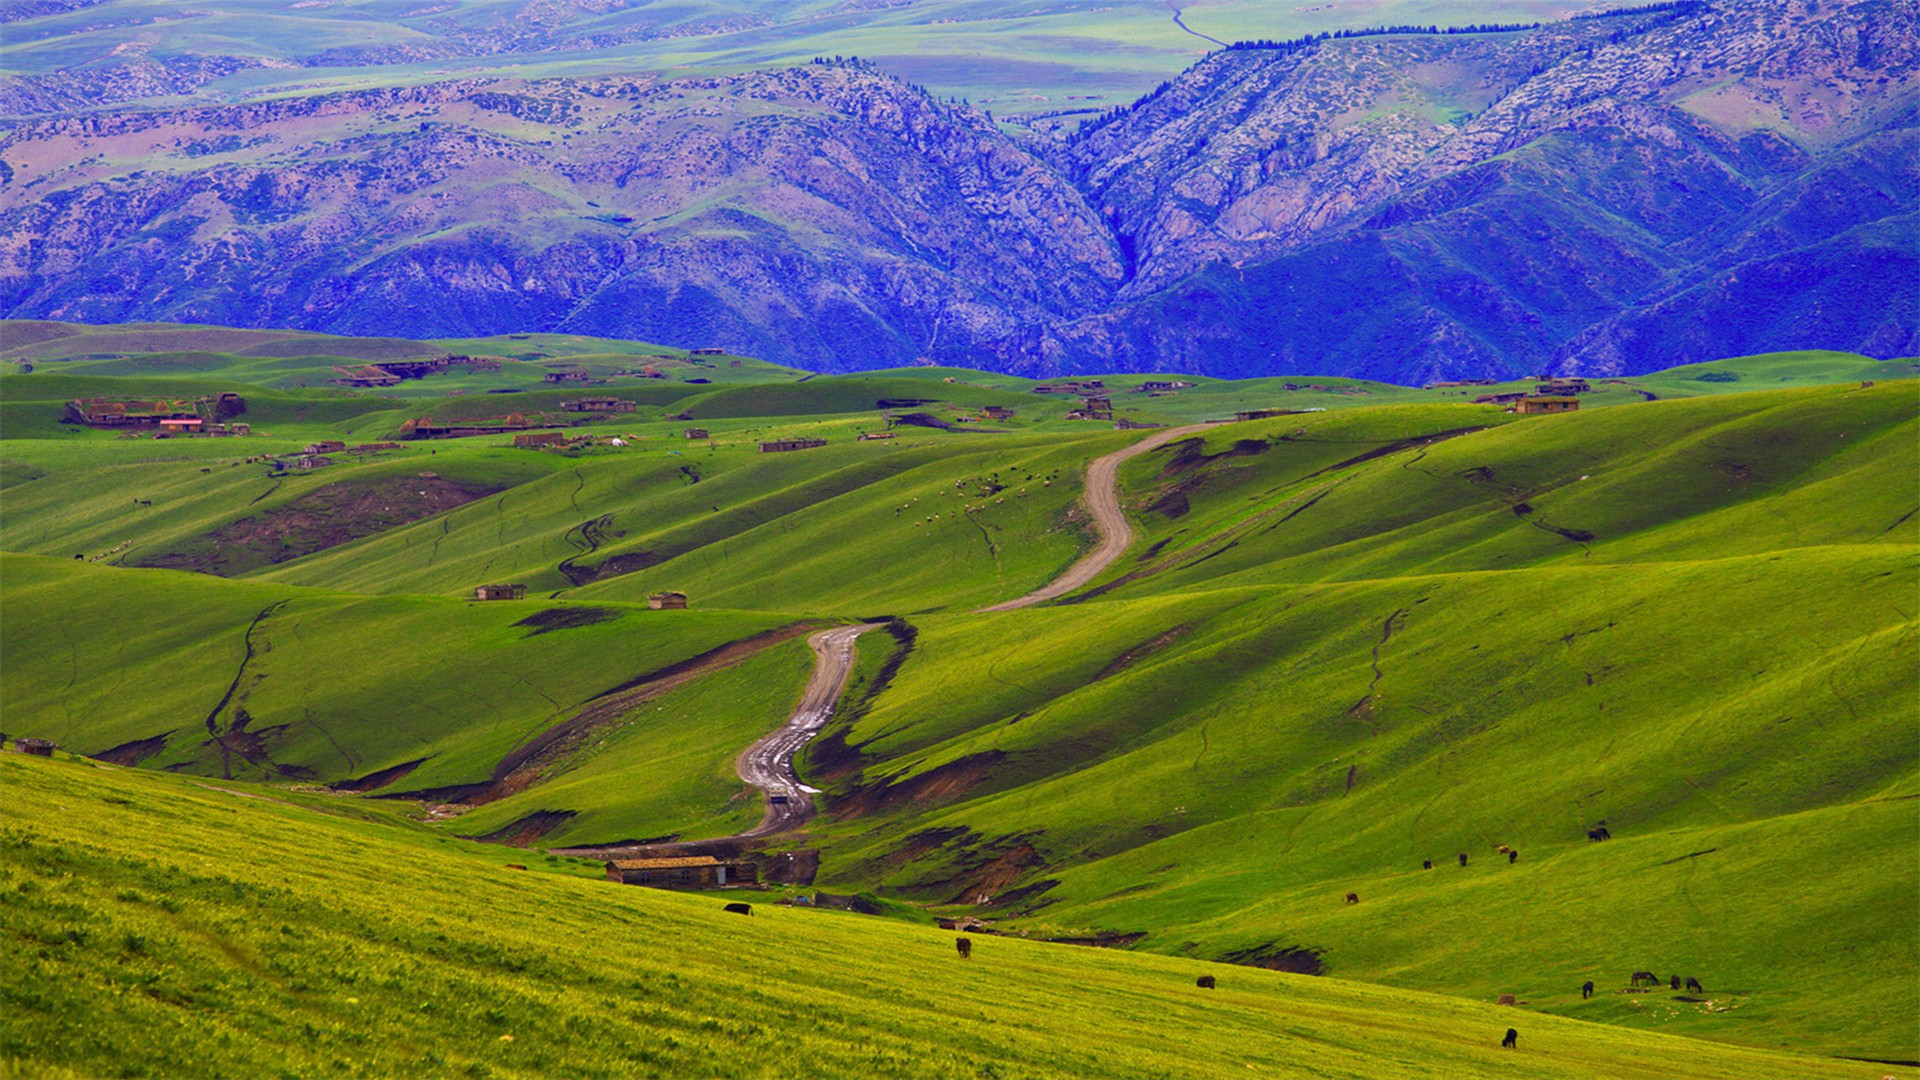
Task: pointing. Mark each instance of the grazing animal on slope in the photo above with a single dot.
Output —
(1512, 857)
(964, 946)
(1644, 978)
(1512, 1041)
(1694, 984)
(1463, 858)
(1353, 898)
(1425, 864)
(1586, 990)
(1204, 982)
(1599, 832)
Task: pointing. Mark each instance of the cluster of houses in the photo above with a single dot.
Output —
(204, 416)
(1549, 395)
(391, 372)
(429, 428)
(660, 601)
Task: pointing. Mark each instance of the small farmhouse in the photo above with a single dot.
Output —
(696, 433)
(664, 601)
(1532, 405)
(598, 404)
(1561, 386)
(781, 446)
(535, 440)
(1261, 414)
(37, 747)
(499, 592)
(684, 872)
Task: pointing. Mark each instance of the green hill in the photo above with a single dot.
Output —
(1385, 627)
(143, 942)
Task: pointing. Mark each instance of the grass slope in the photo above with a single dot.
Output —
(166, 951)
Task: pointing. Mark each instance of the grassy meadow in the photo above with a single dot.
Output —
(165, 951)
(1389, 626)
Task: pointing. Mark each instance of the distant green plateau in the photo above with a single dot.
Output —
(1372, 627)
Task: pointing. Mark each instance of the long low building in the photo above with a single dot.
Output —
(682, 872)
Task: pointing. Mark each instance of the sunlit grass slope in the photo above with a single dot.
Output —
(1364, 494)
(336, 686)
(325, 946)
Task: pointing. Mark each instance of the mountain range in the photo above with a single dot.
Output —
(1610, 194)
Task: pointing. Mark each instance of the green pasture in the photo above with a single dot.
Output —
(166, 950)
(339, 685)
(1387, 626)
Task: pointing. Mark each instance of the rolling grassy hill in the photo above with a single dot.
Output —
(1398, 628)
(164, 949)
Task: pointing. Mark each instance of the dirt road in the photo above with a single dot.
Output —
(768, 764)
(1103, 499)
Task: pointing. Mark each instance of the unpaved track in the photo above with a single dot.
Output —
(768, 764)
(1103, 499)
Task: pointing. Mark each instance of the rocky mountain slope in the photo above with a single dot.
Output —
(1613, 194)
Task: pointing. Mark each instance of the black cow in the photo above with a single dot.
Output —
(1694, 984)
(1644, 978)
(1353, 898)
(1512, 857)
(964, 946)
(1512, 1041)
(1586, 990)
(1425, 864)
(740, 909)
(1204, 982)
(1599, 832)
(1463, 858)
(1673, 982)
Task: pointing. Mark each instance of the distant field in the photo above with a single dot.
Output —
(1012, 59)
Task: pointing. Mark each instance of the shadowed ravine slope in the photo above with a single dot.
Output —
(1341, 643)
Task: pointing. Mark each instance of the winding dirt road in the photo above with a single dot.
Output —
(768, 764)
(1103, 499)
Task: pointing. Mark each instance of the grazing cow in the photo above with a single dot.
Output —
(1463, 858)
(964, 946)
(1503, 849)
(1425, 864)
(740, 909)
(1673, 982)
(1204, 982)
(1599, 832)
(1644, 978)
(1586, 990)
(1694, 984)
(1512, 857)
(1353, 898)
(1512, 1041)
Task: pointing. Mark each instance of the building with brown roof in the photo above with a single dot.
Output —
(683, 872)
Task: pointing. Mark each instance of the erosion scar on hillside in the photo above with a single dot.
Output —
(1103, 499)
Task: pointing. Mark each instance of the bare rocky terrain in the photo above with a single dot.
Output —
(1608, 195)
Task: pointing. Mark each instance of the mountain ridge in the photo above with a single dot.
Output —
(1598, 195)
